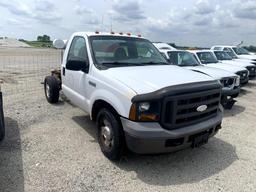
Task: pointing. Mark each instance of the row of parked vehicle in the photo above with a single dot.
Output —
(142, 100)
(232, 66)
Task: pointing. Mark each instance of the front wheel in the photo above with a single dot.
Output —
(51, 89)
(2, 125)
(110, 134)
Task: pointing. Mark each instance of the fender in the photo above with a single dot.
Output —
(122, 106)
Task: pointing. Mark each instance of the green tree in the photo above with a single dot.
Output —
(39, 38)
(44, 38)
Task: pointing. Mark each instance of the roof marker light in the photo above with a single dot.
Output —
(129, 34)
(121, 33)
(97, 32)
(112, 32)
(139, 35)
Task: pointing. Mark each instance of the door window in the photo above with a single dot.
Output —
(78, 50)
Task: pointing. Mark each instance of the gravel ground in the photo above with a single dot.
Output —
(54, 148)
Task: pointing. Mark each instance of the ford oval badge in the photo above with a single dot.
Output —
(201, 108)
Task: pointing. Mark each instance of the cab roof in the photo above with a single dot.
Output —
(114, 34)
(164, 46)
(222, 46)
(200, 51)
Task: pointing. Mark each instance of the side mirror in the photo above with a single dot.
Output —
(77, 65)
(59, 44)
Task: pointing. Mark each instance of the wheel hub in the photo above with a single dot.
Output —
(106, 134)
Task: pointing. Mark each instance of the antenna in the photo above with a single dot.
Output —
(102, 23)
(111, 27)
(240, 43)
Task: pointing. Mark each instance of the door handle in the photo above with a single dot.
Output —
(63, 71)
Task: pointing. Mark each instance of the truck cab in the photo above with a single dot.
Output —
(207, 58)
(2, 125)
(135, 96)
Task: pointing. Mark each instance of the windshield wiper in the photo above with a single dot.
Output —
(117, 64)
(188, 65)
(155, 63)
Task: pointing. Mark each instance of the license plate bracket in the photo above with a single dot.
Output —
(200, 140)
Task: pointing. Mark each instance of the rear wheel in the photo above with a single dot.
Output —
(110, 134)
(51, 89)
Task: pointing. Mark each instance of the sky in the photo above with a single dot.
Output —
(184, 22)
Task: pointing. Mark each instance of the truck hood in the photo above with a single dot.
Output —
(227, 67)
(151, 78)
(237, 63)
(211, 71)
(246, 61)
(251, 57)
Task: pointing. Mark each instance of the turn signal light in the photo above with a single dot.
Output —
(133, 113)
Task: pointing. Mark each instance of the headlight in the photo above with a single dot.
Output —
(145, 111)
(237, 83)
(144, 106)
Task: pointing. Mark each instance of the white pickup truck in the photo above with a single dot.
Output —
(230, 82)
(207, 58)
(225, 58)
(137, 99)
(238, 53)
(2, 126)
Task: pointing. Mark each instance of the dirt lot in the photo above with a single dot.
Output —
(54, 147)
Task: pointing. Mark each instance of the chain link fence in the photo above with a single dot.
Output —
(22, 70)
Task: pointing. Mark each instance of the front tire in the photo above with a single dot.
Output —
(2, 129)
(51, 89)
(2, 125)
(110, 134)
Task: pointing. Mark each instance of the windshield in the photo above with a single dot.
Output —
(207, 57)
(231, 53)
(182, 58)
(114, 51)
(240, 51)
(221, 55)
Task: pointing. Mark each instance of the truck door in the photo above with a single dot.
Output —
(74, 77)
